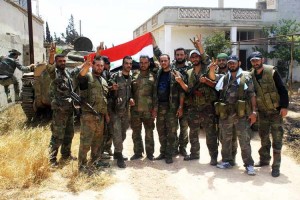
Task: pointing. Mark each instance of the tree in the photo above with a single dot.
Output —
(280, 35)
(217, 43)
(71, 33)
(58, 39)
(49, 38)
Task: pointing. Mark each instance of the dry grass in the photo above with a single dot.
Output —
(24, 160)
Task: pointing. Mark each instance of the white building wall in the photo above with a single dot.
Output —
(14, 35)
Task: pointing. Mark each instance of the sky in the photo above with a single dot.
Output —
(113, 22)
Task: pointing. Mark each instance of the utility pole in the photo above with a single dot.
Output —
(80, 28)
(30, 32)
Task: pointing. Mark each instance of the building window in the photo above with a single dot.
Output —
(245, 35)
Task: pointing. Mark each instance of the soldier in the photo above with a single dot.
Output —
(93, 90)
(236, 89)
(108, 126)
(272, 103)
(180, 64)
(62, 126)
(170, 107)
(8, 65)
(121, 100)
(201, 96)
(217, 69)
(144, 93)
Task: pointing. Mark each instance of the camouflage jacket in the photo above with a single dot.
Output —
(144, 91)
(94, 91)
(60, 95)
(176, 92)
(8, 66)
(120, 98)
(203, 94)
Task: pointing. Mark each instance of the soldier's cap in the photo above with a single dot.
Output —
(256, 55)
(196, 52)
(105, 59)
(14, 51)
(222, 56)
(232, 58)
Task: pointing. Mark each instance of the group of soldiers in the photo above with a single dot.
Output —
(216, 95)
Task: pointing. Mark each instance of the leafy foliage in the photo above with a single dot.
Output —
(280, 35)
(217, 43)
(49, 38)
(71, 33)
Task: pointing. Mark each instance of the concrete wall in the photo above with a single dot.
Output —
(14, 35)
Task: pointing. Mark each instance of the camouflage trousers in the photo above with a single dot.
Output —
(183, 139)
(7, 82)
(108, 131)
(204, 116)
(167, 125)
(120, 125)
(270, 123)
(62, 128)
(137, 120)
(91, 138)
(241, 127)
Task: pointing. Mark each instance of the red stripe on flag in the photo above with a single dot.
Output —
(129, 48)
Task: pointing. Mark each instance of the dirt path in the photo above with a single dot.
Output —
(144, 179)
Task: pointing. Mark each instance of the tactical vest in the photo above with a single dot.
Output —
(203, 95)
(267, 97)
(96, 94)
(238, 103)
(143, 90)
(7, 66)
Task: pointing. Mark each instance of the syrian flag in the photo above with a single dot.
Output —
(139, 46)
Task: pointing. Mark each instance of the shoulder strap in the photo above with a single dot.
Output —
(224, 91)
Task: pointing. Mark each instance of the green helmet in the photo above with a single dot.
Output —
(222, 55)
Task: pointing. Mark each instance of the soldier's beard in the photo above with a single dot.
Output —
(257, 67)
(222, 66)
(233, 69)
(180, 61)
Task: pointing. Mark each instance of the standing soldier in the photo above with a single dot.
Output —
(62, 126)
(144, 93)
(8, 65)
(216, 71)
(180, 64)
(201, 96)
(272, 103)
(170, 108)
(236, 89)
(93, 90)
(121, 100)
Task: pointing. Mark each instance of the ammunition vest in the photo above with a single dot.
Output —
(233, 98)
(96, 94)
(204, 94)
(267, 97)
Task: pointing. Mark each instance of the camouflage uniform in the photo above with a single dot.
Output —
(181, 141)
(94, 91)
(201, 111)
(8, 66)
(240, 89)
(119, 109)
(108, 126)
(144, 93)
(167, 121)
(269, 103)
(62, 126)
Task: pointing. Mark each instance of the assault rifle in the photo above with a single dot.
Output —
(75, 97)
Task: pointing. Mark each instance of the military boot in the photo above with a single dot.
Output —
(213, 161)
(276, 163)
(120, 160)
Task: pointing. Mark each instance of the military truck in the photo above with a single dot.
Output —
(35, 85)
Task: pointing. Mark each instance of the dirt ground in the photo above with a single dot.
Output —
(144, 179)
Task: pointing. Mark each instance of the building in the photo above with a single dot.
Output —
(173, 26)
(14, 35)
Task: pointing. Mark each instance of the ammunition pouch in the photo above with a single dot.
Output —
(221, 110)
(241, 108)
(270, 104)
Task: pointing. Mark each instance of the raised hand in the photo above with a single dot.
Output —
(100, 48)
(52, 48)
